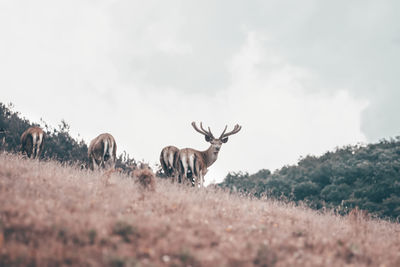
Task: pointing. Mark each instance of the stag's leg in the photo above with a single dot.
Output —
(37, 151)
(182, 178)
(28, 150)
(113, 165)
(184, 169)
(174, 175)
(34, 145)
(94, 163)
(102, 161)
(198, 181)
(177, 177)
(191, 177)
(27, 146)
(100, 166)
(193, 168)
(34, 149)
(114, 161)
(39, 144)
(170, 167)
(201, 181)
(187, 177)
(106, 155)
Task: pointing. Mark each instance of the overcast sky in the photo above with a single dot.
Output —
(301, 77)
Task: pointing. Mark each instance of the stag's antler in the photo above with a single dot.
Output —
(202, 131)
(236, 129)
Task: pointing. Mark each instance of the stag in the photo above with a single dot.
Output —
(102, 150)
(192, 164)
(32, 141)
(168, 158)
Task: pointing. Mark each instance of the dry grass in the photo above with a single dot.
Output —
(52, 215)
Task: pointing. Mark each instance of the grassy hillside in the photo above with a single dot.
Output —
(59, 215)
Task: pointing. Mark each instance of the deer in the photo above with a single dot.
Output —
(168, 161)
(102, 150)
(192, 165)
(32, 141)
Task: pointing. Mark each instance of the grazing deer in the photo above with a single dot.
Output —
(168, 160)
(32, 142)
(192, 164)
(102, 150)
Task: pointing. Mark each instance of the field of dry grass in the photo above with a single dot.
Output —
(52, 215)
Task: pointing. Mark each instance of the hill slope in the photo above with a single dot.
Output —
(367, 176)
(57, 215)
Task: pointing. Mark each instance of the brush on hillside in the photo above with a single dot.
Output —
(146, 178)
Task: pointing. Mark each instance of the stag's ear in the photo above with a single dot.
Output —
(224, 140)
(208, 138)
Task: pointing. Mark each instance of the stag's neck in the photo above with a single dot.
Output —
(209, 156)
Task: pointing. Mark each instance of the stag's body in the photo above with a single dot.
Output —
(102, 150)
(168, 159)
(192, 165)
(32, 141)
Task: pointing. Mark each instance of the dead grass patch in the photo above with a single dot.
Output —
(52, 215)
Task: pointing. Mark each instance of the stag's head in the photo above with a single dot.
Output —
(216, 143)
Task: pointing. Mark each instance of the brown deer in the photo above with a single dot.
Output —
(168, 158)
(32, 141)
(192, 164)
(102, 150)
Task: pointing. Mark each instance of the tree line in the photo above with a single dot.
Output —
(366, 176)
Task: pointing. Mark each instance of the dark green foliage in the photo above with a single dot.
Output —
(14, 127)
(367, 176)
(62, 147)
(305, 189)
(126, 163)
(336, 193)
(249, 184)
